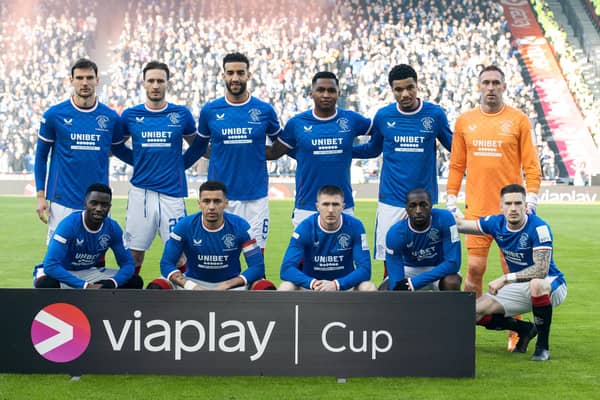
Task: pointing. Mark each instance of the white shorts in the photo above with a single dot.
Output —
(148, 212)
(386, 217)
(410, 272)
(364, 286)
(89, 275)
(207, 285)
(57, 213)
(516, 297)
(300, 215)
(256, 212)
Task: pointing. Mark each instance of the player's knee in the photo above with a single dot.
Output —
(367, 286)
(46, 282)
(159, 284)
(539, 287)
(287, 286)
(450, 282)
(136, 282)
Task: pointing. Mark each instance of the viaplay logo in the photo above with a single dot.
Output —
(60, 332)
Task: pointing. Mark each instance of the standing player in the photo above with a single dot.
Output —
(423, 251)
(79, 132)
(322, 139)
(238, 125)
(212, 241)
(406, 132)
(330, 243)
(492, 144)
(80, 240)
(159, 185)
(533, 282)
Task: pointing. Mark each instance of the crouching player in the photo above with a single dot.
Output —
(330, 243)
(423, 251)
(80, 242)
(533, 283)
(212, 241)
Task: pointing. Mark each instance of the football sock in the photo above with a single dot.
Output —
(542, 315)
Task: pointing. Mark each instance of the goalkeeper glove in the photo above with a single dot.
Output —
(451, 206)
(531, 200)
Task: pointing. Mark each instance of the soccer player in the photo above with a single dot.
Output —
(80, 240)
(407, 132)
(533, 283)
(330, 243)
(423, 252)
(322, 140)
(159, 185)
(238, 125)
(212, 241)
(78, 134)
(492, 143)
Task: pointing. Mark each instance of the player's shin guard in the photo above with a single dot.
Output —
(542, 315)
(137, 270)
(101, 262)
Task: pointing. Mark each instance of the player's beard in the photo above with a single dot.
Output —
(241, 90)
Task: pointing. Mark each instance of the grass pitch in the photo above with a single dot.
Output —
(572, 373)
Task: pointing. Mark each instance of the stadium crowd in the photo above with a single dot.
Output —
(286, 42)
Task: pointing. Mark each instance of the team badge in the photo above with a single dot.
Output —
(174, 118)
(104, 241)
(428, 123)
(524, 240)
(506, 126)
(344, 241)
(343, 124)
(254, 114)
(229, 241)
(434, 235)
(102, 120)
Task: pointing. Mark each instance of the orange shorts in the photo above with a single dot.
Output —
(478, 245)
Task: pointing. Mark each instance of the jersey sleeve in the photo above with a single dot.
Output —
(203, 120)
(361, 257)
(363, 125)
(54, 262)
(451, 254)
(118, 134)
(173, 249)
(458, 160)
(529, 157)
(253, 256)
(372, 148)
(394, 259)
(290, 266)
(273, 127)
(40, 168)
(288, 136)
(122, 255)
(189, 125)
(444, 134)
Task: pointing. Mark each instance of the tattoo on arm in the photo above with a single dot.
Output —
(539, 269)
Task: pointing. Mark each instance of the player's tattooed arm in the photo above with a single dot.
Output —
(539, 269)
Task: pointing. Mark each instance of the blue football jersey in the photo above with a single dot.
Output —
(518, 246)
(437, 246)
(213, 255)
(80, 140)
(238, 136)
(327, 255)
(74, 247)
(408, 143)
(157, 137)
(323, 150)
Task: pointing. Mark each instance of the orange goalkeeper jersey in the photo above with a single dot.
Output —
(494, 150)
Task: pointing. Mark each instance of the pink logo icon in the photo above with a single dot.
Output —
(60, 332)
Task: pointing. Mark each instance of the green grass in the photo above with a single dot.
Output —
(572, 373)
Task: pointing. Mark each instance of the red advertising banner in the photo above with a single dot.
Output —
(566, 123)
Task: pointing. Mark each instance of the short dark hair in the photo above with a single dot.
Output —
(419, 191)
(402, 71)
(325, 75)
(492, 68)
(513, 188)
(84, 63)
(330, 190)
(156, 65)
(236, 57)
(212, 185)
(98, 187)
